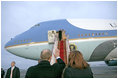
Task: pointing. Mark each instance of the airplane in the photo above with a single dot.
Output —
(95, 38)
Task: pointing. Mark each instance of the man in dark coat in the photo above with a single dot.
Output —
(43, 69)
(2, 73)
(13, 71)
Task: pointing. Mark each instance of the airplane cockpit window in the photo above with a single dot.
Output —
(37, 25)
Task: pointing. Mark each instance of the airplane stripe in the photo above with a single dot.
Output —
(70, 40)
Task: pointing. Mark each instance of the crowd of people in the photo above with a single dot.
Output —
(76, 67)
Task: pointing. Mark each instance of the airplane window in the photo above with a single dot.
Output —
(26, 40)
(30, 40)
(18, 41)
(89, 34)
(106, 33)
(92, 34)
(99, 33)
(96, 34)
(81, 34)
(85, 34)
(102, 33)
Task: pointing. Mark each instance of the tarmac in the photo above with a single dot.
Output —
(99, 69)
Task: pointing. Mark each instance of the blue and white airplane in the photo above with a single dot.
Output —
(95, 38)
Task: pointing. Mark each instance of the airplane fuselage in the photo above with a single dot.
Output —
(95, 43)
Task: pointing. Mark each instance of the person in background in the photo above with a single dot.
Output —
(77, 67)
(2, 73)
(43, 69)
(13, 71)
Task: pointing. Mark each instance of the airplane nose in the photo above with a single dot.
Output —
(24, 48)
(9, 43)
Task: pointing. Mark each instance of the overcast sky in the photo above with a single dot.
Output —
(17, 17)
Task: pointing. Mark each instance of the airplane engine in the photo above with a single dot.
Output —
(111, 62)
(111, 58)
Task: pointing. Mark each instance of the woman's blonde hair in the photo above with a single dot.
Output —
(76, 60)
